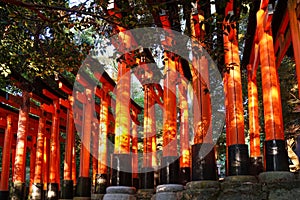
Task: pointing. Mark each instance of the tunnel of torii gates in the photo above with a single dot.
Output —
(28, 127)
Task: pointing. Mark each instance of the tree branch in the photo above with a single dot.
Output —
(35, 7)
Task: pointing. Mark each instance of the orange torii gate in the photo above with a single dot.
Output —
(263, 53)
(100, 168)
(10, 103)
(202, 168)
(237, 150)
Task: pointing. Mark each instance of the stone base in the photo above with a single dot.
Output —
(82, 198)
(37, 191)
(203, 189)
(277, 176)
(97, 196)
(241, 179)
(120, 193)
(145, 194)
(168, 192)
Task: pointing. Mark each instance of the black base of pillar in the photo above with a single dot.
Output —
(101, 183)
(67, 189)
(136, 183)
(18, 191)
(4, 195)
(52, 191)
(121, 170)
(256, 166)
(169, 171)
(44, 194)
(238, 160)
(185, 175)
(37, 191)
(203, 162)
(276, 157)
(147, 178)
(83, 187)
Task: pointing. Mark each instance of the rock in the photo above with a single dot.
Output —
(276, 176)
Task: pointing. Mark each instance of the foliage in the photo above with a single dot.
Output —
(37, 42)
(289, 92)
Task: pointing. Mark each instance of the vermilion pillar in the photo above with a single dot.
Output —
(84, 181)
(238, 158)
(121, 159)
(185, 160)
(67, 186)
(102, 176)
(52, 190)
(32, 163)
(254, 128)
(95, 141)
(203, 161)
(169, 162)
(37, 189)
(147, 176)
(21, 145)
(135, 161)
(4, 189)
(276, 158)
(46, 159)
(74, 172)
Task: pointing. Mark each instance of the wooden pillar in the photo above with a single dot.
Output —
(276, 158)
(67, 186)
(21, 145)
(121, 159)
(32, 163)
(238, 158)
(37, 189)
(46, 166)
(204, 166)
(4, 181)
(135, 161)
(102, 176)
(295, 31)
(74, 171)
(95, 141)
(147, 176)
(147, 155)
(53, 186)
(185, 156)
(254, 128)
(84, 180)
(170, 161)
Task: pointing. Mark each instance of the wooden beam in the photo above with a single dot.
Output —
(64, 88)
(50, 95)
